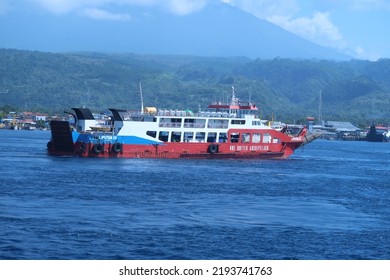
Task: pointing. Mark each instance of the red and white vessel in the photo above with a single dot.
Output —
(232, 130)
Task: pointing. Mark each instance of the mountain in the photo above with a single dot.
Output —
(287, 89)
(217, 30)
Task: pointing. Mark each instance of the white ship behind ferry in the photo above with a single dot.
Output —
(232, 130)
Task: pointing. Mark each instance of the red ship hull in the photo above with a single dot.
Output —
(184, 150)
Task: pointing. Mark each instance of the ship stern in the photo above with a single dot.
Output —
(61, 142)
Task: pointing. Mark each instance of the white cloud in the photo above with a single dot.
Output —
(317, 28)
(61, 6)
(362, 53)
(179, 7)
(104, 15)
(183, 7)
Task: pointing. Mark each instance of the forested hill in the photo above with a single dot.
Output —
(356, 91)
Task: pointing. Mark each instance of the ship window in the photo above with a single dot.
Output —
(200, 136)
(175, 136)
(246, 137)
(267, 138)
(234, 137)
(163, 122)
(189, 121)
(222, 137)
(217, 123)
(163, 136)
(176, 122)
(188, 136)
(238, 122)
(256, 123)
(151, 133)
(212, 137)
(256, 138)
(197, 123)
(170, 122)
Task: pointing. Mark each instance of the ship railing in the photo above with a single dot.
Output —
(216, 114)
(174, 113)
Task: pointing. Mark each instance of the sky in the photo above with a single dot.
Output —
(359, 27)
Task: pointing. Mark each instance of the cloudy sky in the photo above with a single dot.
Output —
(360, 26)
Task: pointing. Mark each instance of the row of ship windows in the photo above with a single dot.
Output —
(212, 137)
(201, 123)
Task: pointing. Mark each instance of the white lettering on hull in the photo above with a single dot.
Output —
(296, 139)
(248, 148)
(107, 137)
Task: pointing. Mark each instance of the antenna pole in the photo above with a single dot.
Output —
(142, 98)
(320, 108)
(250, 93)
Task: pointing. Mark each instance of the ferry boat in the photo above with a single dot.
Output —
(225, 131)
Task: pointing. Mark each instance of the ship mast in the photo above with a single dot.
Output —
(142, 98)
(233, 96)
(233, 102)
(320, 108)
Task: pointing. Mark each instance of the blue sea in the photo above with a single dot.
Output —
(330, 200)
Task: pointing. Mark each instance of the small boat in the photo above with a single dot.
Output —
(224, 131)
(377, 134)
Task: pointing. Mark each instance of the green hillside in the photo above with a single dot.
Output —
(356, 91)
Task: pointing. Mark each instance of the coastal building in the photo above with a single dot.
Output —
(337, 130)
(24, 120)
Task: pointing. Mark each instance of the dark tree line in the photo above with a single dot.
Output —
(356, 91)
